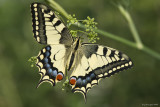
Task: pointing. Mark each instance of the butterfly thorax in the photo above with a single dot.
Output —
(74, 48)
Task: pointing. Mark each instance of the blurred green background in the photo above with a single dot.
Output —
(131, 88)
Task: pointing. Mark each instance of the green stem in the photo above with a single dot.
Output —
(58, 8)
(137, 45)
(112, 36)
(132, 27)
(151, 52)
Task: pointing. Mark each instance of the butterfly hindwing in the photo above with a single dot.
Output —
(96, 62)
(47, 27)
(51, 62)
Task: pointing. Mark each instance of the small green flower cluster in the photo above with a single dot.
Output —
(32, 60)
(72, 20)
(89, 24)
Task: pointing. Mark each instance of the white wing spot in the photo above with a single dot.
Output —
(48, 23)
(37, 23)
(100, 75)
(113, 59)
(47, 19)
(37, 60)
(51, 28)
(110, 71)
(130, 63)
(35, 5)
(122, 66)
(88, 85)
(43, 71)
(108, 52)
(109, 59)
(54, 20)
(46, 15)
(51, 13)
(44, 50)
(83, 89)
(41, 56)
(126, 64)
(40, 64)
(43, 10)
(37, 33)
(100, 50)
(114, 69)
(46, 77)
(36, 27)
(116, 52)
(105, 74)
(35, 9)
(51, 32)
(36, 18)
(117, 58)
(94, 82)
(36, 13)
(122, 59)
(60, 27)
(118, 67)
(38, 39)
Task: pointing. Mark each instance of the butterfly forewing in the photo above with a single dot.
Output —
(47, 27)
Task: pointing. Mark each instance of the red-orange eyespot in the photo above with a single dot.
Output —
(72, 81)
(59, 76)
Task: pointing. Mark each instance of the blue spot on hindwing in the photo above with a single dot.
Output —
(49, 71)
(54, 73)
(45, 60)
(84, 82)
(47, 54)
(88, 79)
(79, 82)
(92, 76)
(47, 66)
(48, 48)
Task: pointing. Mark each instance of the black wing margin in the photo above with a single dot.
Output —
(47, 27)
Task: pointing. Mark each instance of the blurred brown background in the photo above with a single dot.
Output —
(131, 88)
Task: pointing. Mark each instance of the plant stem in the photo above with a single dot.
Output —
(132, 27)
(58, 8)
(151, 52)
(137, 45)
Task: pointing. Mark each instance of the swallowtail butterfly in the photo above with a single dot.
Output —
(85, 63)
